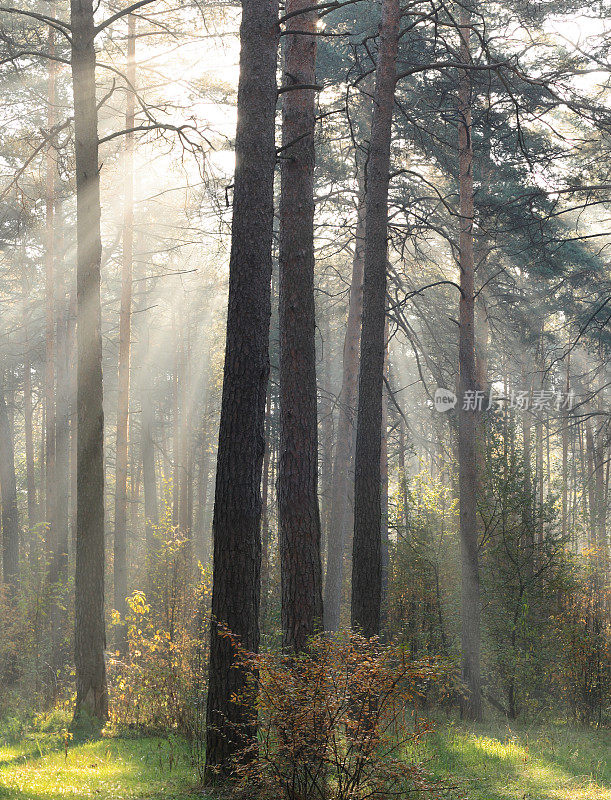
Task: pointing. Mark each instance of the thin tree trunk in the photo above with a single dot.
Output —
(565, 456)
(50, 167)
(8, 489)
(27, 413)
(62, 412)
(90, 633)
(384, 497)
(366, 547)
(265, 531)
(336, 539)
(176, 465)
(149, 480)
(298, 511)
(327, 430)
(185, 505)
(125, 317)
(468, 417)
(237, 505)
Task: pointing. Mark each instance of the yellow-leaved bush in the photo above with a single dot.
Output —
(160, 682)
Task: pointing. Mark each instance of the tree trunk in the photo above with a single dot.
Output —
(327, 430)
(176, 424)
(237, 505)
(265, 531)
(468, 417)
(185, 504)
(564, 421)
(27, 413)
(50, 168)
(90, 633)
(366, 547)
(298, 512)
(62, 415)
(8, 488)
(384, 497)
(336, 540)
(125, 317)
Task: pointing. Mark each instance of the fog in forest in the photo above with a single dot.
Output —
(305, 435)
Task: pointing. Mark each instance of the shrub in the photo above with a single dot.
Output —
(160, 682)
(333, 722)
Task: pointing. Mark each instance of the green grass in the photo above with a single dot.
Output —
(512, 762)
(485, 762)
(106, 769)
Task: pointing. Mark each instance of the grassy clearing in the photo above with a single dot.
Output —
(508, 762)
(106, 769)
(487, 762)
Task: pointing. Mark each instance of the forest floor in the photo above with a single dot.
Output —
(486, 762)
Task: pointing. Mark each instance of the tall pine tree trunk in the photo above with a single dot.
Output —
(468, 417)
(298, 511)
(237, 505)
(336, 540)
(90, 633)
(125, 316)
(366, 552)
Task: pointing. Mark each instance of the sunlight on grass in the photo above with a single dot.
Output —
(501, 762)
(112, 769)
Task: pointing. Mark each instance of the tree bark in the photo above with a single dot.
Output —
(237, 506)
(125, 317)
(366, 552)
(90, 633)
(298, 511)
(468, 418)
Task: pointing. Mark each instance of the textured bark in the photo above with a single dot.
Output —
(336, 539)
(8, 488)
(468, 419)
(90, 634)
(237, 506)
(125, 317)
(366, 548)
(298, 512)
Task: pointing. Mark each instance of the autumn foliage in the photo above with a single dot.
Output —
(334, 722)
